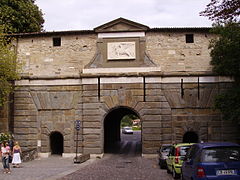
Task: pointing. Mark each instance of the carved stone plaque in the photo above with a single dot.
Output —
(121, 50)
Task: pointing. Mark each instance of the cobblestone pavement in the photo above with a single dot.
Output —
(110, 167)
(125, 164)
(50, 168)
(120, 167)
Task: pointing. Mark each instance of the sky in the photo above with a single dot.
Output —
(64, 15)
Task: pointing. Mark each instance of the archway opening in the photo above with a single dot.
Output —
(190, 137)
(115, 141)
(56, 143)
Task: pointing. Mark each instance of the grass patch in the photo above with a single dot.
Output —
(135, 128)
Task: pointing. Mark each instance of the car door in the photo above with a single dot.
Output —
(188, 165)
(170, 158)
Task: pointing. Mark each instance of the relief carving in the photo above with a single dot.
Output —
(121, 50)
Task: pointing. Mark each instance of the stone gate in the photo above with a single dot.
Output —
(162, 75)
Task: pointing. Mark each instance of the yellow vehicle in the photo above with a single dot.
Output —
(175, 158)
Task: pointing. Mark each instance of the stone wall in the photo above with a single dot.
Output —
(168, 84)
(41, 59)
(4, 118)
(170, 51)
(41, 110)
(167, 50)
(167, 110)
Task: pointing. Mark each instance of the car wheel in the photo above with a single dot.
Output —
(168, 171)
(182, 178)
(161, 165)
(175, 175)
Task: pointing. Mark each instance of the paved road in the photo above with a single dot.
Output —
(130, 145)
(120, 167)
(124, 163)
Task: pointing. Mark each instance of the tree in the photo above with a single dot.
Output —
(225, 52)
(222, 10)
(9, 68)
(127, 120)
(20, 16)
(229, 103)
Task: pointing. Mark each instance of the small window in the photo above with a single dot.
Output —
(57, 41)
(189, 38)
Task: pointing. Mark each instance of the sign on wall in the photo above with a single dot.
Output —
(121, 50)
(77, 125)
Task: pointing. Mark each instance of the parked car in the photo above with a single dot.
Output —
(127, 130)
(162, 155)
(175, 158)
(212, 161)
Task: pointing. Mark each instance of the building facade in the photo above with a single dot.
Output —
(161, 75)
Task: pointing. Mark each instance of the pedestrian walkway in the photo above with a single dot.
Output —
(51, 168)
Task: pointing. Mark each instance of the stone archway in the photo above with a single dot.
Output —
(112, 129)
(56, 143)
(190, 137)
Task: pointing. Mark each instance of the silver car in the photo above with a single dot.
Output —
(162, 155)
(127, 130)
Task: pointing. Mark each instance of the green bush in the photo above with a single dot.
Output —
(136, 128)
(4, 137)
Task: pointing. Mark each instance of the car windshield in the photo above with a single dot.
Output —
(128, 128)
(183, 150)
(221, 154)
(165, 149)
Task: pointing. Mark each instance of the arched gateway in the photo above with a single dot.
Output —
(98, 76)
(112, 128)
(56, 143)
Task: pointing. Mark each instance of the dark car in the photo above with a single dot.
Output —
(212, 161)
(162, 155)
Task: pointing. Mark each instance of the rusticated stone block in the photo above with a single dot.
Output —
(90, 87)
(92, 150)
(151, 124)
(82, 158)
(91, 131)
(90, 93)
(149, 130)
(91, 124)
(90, 112)
(91, 118)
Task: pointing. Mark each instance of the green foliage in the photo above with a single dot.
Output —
(4, 137)
(229, 104)
(127, 120)
(226, 50)
(136, 128)
(20, 16)
(225, 55)
(222, 10)
(8, 68)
